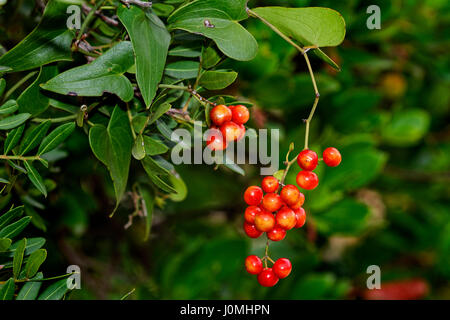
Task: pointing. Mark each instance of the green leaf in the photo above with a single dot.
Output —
(406, 127)
(50, 41)
(186, 51)
(2, 85)
(218, 20)
(5, 243)
(157, 174)
(35, 178)
(150, 40)
(34, 262)
(210, 57)
(14, 229)
(32, 100)
(33, 137)
(18, 257)
(138, 150)
(104, 74)
(179, 186)
(13, 139)
(30, 289)
(148, 202)
(159, 112)
(112, 146)
(56, 291)
(10, 215)
(216, 80)
(13, 121)
(182, 69)
(33, 244)
(56, 137)
(321, 27)
(8, 107)
(154, 147)
(7, 291)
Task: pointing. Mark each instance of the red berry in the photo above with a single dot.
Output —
(300, 214)
(276, 234)
(250, 213)
(300, 202)
(272, 202)
(307, 160)
(332, 157)
(253, 195)
(220, 114)
(251, 230)
(307, 180)
(253, 264)
(230, 130)
(240, 114)
(282, 268)
(290, 194)
(285, 218)
(270, 184)
(267, 278)
(264, 221)
(241, 132)
(214, 140)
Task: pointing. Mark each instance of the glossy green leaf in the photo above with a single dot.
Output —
(210, 57)
(2, 86)
(218, 20)
(34, 262)
(56, 291)
(9, 216)
(159, 112)
(35, 178)
(56, 137)
(104, 74)
(18, 257)
(157, 174)
(186, 51)
(7, 291)
(15, 228)
(32, 100)
(216, 80)
(138, 150)
(30, 290)
(33, 137)
(13, 139)
(154, 147)
(321, 27)
(179, 186)
(13, 121)
(182, 69)
(147, 202)
(8, 107)
(5, 243)
(33, 244)
(112, 146)
(50, 41)
(150, 40)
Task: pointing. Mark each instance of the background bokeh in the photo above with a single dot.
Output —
(387, 204)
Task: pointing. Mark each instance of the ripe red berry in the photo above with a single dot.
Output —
(300, 202)
(230, 130)
(253, 264)
(251, 231)
(300, 214)
(277, 233)
(290, 194)
(241, 132)
(307, 160)
(270, 184)
(250, 213)
(253, 195)
(332, 157)
(307, 180)
(215, 140)
(285, 218)
(282, 268)
(272, 202)
(264, 221)
(267, 278)
(240, 114)
(220, 114)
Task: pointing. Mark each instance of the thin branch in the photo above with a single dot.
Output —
(28, 158)
(99, 13)
(139, 3)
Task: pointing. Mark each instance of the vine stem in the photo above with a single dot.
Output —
(18, 84)
(28, 158)
(303, 51)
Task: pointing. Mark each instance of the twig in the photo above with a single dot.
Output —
(99, 13)
(139, 3)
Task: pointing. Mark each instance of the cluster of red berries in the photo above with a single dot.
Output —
(229, 123)
(308, 160)
(268, 277)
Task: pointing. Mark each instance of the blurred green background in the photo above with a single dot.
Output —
(387, 204)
